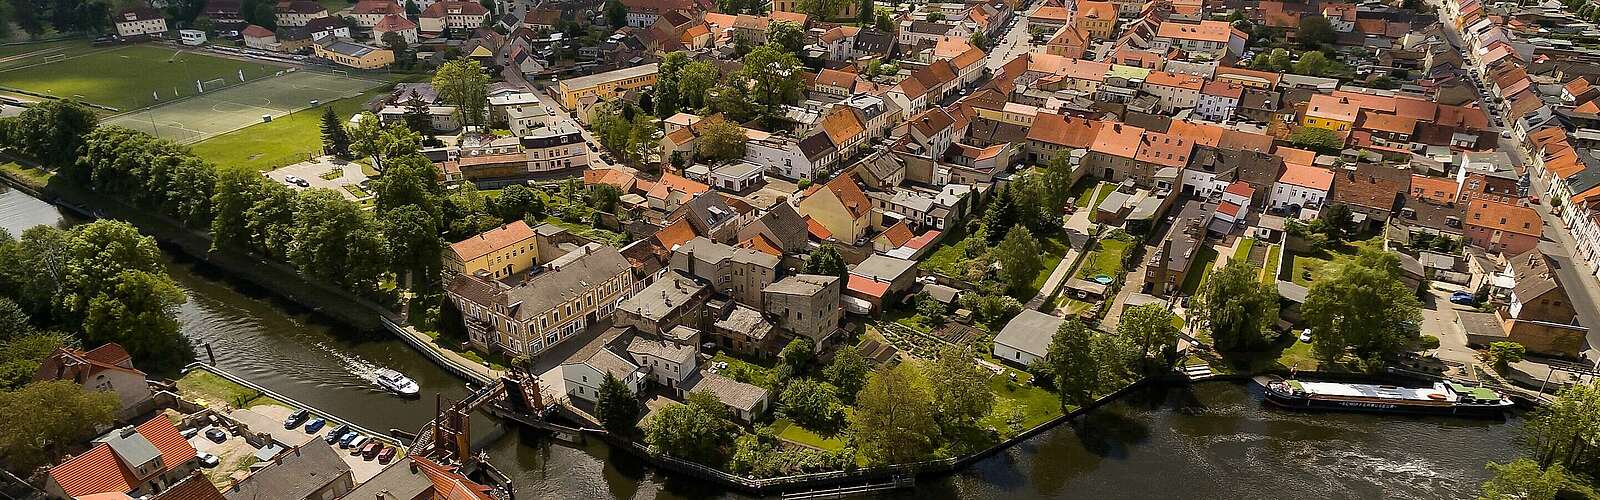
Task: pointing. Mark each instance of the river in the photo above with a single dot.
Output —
(1212, 440)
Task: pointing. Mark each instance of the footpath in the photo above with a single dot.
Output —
(1077, 227)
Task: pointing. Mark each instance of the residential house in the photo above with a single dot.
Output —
(395, 24)
(367, 13)
(1539, 314)
(297, 13)
(1174, 91)
(1172, 261)
(880, 281)
(543, 309)
(805, 305)
(740, 273)
(1218, 100)
(139, 22)
(744, 401)
(259, 38)
(454, 15)
(1026, 338)
(1510, 229)
(133, 461)
(313, 471)
(667, 359)
(781, 225)
(1050, 17)
(1327, 112)
(585, 370)
(672, 300)
(419, 478)
(1213, 39)
(1370, 191)
(643, 13)
(1300, 186)
(1111, 156)
(840, 206)
(791, 158)
(104, 368)
(497, 253)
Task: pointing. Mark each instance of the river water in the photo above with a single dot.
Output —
(1212, 440)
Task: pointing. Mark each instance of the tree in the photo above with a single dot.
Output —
(337, 242)
(795, 357)
(140, 313)
(1363, 305)
(721, 140)
(960, 386)
(1315, 32)
(822, 10)
(1561, 433)
(929, 308)
(335, 140)
(893, 420)
(668, 72)
(1000, 217)
(14, 321)
(605, 197)
(1312, 63)
(1502, 354)
(396, 42)
(464, 84)
(848, 371)
(884, 22)
(697, 430)
(935, 16)
(812, 404)
(773, 76)
(412, 9)
(979, 40)
(616, 406)
(517, 202)
(265, 16)
(1523, 479)
(786, 35)
(53, 130)
(1019, 258)
(731, 97)
(1071, 358)
(413, 241)
(616, 13)
(409, 180)
(1055, 182)
(695, 83)
(1150, 327)
(864, 13)
(826, 261)
(1318, 139)
(1237, 307)
(20, 356)
(59, 415)
(370, 137)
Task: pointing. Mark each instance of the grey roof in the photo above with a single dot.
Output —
(816, 146)
(396, 481)
(738, 169)
(662, 297)
(298, 473)
(873, 41)
(605, 360)
(802, 284)
(130, 446)
(785, 225)
(707, 211)
(1289, 290)
(884, 268)
(941, 293)
(743, 319)
(756, 257)
(929, 27)
(349, 49)
(1480, 323)
(671, 351)
(1029, 332)
(565, 283)
(731, 392)
(1534, 276)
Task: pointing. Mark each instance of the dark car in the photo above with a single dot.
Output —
(371, 450)
(216, 435)
(386, 455)
(336, 434)
(295, 418)
(1463, 298)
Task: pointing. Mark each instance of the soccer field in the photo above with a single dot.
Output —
(213, 113)
(129, 77)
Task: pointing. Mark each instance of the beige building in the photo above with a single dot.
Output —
(355, 55)
(104, 368)
(496, 253)
(806, 305)
(140, 21)
(606, 85)
(528, 314)
(740, 273)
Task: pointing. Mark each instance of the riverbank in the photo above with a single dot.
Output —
(274, 277)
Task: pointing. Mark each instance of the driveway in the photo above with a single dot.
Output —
(340, 174)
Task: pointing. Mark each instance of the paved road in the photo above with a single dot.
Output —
(1013, 43)
(1578, 281)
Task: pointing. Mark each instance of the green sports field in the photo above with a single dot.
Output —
(128, 77)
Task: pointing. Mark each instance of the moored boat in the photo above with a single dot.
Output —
(1442, 398)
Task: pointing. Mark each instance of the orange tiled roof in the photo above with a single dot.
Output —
(1210, 31)
(676, 233)
(1332, 108)
(841, 125)
(1064, 130)
(1164, 149)
(1117, 139)
(1435, 189)
(1175, 80)
(491, 240)
(761, 243)
(100, 471)
(1505, 217)
(1199, 133)
(1306, 176)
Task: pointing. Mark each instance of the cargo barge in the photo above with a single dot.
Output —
(1442, 398)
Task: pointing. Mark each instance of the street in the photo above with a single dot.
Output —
(1582, 289)
(1012, 44)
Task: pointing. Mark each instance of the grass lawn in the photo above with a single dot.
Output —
(1080, 191)
(749, 372)
(1054, 247)
(283, 141)
(1243, 250)
(32, 176)
(1018, 406)
(1199, 270)
(1075, 307)
(1269, 272)
(201, 384)
(34, 53)
(1306, 268)
(952, 251)
(793, 432)
(1105, 259)
(125, 77)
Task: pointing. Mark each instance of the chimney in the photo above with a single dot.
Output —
(413, 464)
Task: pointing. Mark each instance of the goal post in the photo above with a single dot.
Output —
(201, 86)
(54, 58)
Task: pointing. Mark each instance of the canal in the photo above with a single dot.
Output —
(1212, 440)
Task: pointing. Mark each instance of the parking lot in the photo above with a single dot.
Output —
(235, 454)
(350, 181)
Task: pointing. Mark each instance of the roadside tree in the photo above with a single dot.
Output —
(1236, 307)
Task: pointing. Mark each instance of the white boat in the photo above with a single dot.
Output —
(396, 382)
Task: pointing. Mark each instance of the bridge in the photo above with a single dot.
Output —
(515, 396)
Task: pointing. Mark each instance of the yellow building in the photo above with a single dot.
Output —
(847, 9)
(496, 253)
(1097, 20)
(606, 85)
(1331, 113)
(355, 55)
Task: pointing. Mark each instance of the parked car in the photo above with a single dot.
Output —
(315, 424)
(357, 444)
(336, 434)
(1305, 335)
(216, 435)
(207, 460)
(349, 439)
(295, 418)
(370, 451)
(1505, 134)
(1463, 298)
(190, 432)
(296, 180)
(386, 455)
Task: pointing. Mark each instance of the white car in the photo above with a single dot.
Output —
(1305, 335)
(1505, 134)
(207, 460)
(296, 180)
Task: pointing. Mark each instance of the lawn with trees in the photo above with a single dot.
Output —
(283, 141)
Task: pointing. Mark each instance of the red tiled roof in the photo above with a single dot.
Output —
(1241, 188)
(867, 286)
(1505, 217)
(100, 471)
(923, 239)
(675, 234)
(491, 240)
(1229, 208)
(254, 31)
(817, 230)
(897, 235)
(1306, 176)
(393, 22)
